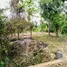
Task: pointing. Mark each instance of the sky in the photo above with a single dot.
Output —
(4, 3)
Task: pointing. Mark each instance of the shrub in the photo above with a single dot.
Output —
(42, 28)
(64, 29)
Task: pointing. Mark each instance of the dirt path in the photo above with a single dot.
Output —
(36, 33)
(56, 63)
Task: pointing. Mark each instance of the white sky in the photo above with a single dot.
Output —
(4, 3)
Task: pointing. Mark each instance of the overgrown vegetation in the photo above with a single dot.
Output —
(54, 13)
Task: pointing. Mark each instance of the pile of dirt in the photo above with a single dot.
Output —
(29, 51)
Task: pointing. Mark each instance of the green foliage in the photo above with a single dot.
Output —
(42, 28)
(56, 22)
(45, 1)
(1, 64)
(1, 24)
(64, 29)
(4, 41)
(51, 11)
(5, 62)
(38, 29)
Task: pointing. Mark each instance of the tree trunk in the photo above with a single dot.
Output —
(57, 32)
(18, 34)
(48, 28)
(0, 53)
(31, 33)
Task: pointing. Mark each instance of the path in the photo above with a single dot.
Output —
(55, 63)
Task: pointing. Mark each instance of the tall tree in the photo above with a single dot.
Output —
(49, 10)
(31, 8)
(20, 6)
(17, 9)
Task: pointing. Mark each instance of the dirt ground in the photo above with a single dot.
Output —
(56, 63)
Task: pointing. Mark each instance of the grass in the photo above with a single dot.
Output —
(54, 43)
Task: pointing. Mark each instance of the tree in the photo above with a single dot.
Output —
(49, 10)
(27, 6)
(30, 8)
(56, 23)
(3, 37)
(45, 12)
(64, 24)
(10, 29)
(17, 9)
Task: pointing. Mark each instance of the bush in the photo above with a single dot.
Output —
(1, 64)
(42, 28)
(64, 29)
(38, 29)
